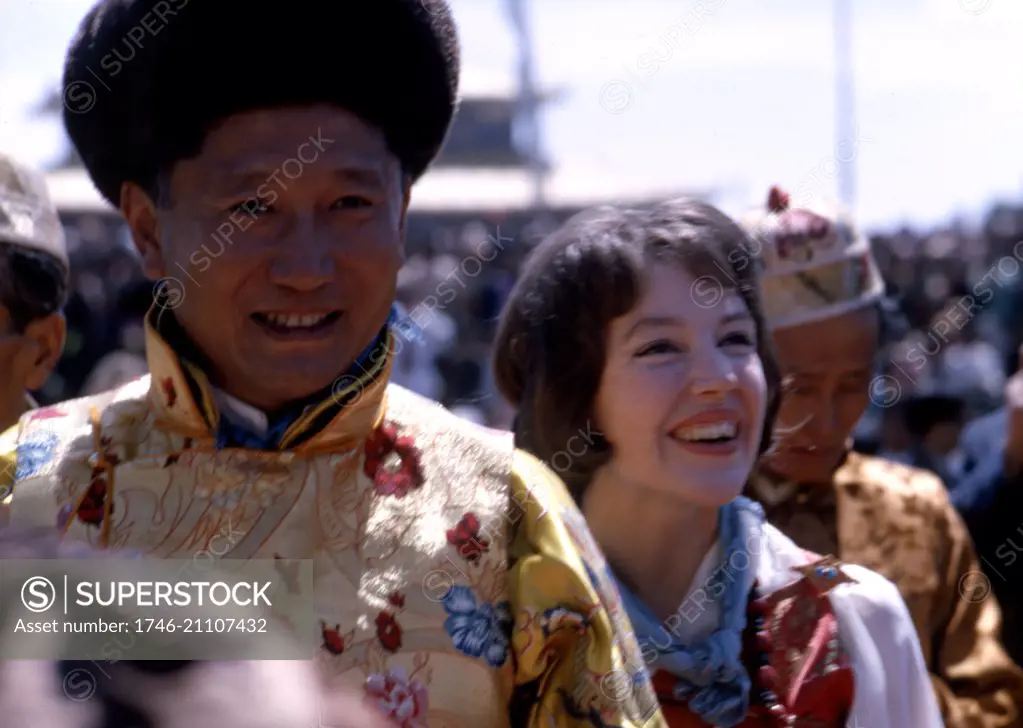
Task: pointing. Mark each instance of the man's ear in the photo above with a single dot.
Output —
(44, 348)
(139, 211)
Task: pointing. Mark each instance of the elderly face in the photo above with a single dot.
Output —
(280, 244)
(26, 360)
(828, 368)
(683, 394)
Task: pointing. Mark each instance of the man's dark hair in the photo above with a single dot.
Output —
(33, 284)
(551, 344)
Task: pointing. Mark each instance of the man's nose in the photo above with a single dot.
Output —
(824, 424)
(303, 262)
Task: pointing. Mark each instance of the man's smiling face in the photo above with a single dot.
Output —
(285, 235)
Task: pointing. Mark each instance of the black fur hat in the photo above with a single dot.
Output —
(144, 80)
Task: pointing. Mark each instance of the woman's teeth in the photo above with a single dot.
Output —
(706, 433)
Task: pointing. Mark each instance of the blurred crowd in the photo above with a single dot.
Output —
(955, 331)
(952, 345)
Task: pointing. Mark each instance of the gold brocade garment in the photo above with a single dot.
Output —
(455, 581)
(897, 521)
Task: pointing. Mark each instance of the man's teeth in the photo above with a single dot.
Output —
(295, 321)
(715, 431)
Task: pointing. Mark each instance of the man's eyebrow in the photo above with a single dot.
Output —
(241, 179)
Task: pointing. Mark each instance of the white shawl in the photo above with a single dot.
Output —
(893, 687)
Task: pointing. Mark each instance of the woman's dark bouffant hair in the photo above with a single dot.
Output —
(550, 349)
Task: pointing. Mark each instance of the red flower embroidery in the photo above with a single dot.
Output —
(90, 510)
(388, 631)
(392, 462)
(397, 600)
(466, 538)
(169, 392)
(333, 642)
(404, 701)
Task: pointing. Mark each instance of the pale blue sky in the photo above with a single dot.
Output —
(742, 97)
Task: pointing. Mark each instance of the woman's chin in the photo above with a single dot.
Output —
(711, 492)
(710, 484)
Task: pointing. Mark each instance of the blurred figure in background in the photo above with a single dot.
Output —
(430, 331)
(33, 288)
(934, 423)
(127, 362)
(990, 499)
(894, 441)
(989, 433)
(155, 694)
(971, 367)
(824, 298)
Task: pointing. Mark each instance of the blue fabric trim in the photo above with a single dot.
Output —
(710, 673)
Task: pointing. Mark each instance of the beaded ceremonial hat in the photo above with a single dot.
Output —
(815, 263)
(27, 215)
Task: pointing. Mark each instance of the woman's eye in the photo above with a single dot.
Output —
(657, 347)
(353, 202)
(738, 339)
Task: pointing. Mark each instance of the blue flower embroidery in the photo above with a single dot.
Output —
(34, 453)
(478, 630)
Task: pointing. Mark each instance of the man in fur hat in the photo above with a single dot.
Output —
(824, 300)
(264, 161)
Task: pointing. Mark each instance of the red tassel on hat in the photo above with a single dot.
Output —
(777, 200)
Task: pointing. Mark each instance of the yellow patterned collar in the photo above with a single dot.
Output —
(183, 401)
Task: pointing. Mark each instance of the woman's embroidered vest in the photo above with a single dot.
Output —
(806, 671)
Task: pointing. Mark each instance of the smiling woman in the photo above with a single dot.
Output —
(610, 323)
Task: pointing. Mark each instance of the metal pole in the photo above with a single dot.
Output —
(845, 98)
(528, 122)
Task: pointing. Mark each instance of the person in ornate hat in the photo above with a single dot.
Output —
(33, 287)
(643, 328)
(825, 302)
(264, 163)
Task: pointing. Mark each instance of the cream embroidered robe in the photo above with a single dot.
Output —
(459, 578)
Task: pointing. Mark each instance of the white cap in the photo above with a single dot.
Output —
(27, 215)
(816, 264)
